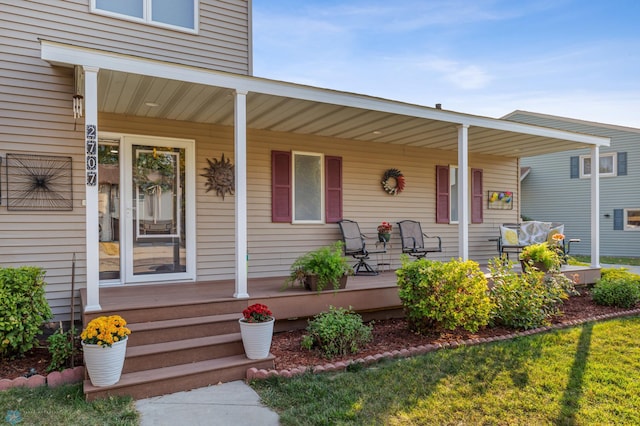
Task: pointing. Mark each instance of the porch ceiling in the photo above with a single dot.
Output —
(127, 93)
(126, 85)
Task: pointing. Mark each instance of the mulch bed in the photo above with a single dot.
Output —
(388, 335)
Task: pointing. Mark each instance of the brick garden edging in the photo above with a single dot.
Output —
(260, 374)
(53, 379)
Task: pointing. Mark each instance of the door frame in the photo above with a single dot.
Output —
(126, 208)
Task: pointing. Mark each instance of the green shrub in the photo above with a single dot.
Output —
(612, 274)
(443, 295)
(337, 332)
(61, 347)
(618, 288)
(23, 309)
(527, 300)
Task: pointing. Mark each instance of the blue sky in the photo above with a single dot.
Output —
(574, 58)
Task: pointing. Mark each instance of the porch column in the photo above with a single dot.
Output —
(595, 206)
(240, 126)
(463, 191)
(91, 188)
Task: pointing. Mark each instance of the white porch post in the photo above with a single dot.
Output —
(91, 189)
(595, 206)
(463, 191)
(240, 125)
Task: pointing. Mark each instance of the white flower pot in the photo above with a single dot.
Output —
(256, 338)
(104, 364)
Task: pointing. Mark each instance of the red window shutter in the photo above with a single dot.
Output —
(333, 189)
(477, 215)
(281, 186)
(442, 194)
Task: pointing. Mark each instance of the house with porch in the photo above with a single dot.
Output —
(136, 140)
(569, 173)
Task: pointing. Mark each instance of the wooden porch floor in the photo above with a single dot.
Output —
(363, 293)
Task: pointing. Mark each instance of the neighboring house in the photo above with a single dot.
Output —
(137, 188)
(556, 186)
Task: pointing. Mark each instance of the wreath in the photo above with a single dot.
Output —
(393, 181)
(154, 171)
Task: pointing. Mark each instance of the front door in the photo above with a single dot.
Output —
(144, 212)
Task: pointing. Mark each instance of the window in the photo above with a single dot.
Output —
(632, 219)
(447, 209)
(608, 165)
(305, 187)
(180, 14)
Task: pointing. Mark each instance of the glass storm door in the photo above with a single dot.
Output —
(143, 221)
(156, 211)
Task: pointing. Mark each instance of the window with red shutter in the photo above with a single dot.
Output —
(442, 194)
(281, 186)
(333, 189)
(477, 215)
(282, 179)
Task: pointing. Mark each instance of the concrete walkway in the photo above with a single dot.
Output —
(233, 403)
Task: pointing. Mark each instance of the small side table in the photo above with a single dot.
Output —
(383, 259)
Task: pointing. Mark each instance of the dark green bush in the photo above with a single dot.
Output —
(23, 309)
(617, 289)
(61, 347)
(527, 300)
(443, 295)
(337, 332)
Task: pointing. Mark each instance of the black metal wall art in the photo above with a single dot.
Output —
(38, 182)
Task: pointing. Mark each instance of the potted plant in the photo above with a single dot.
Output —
(321, 269)
(384, 232)
(256, 328)
(104, 345)
(540, 256)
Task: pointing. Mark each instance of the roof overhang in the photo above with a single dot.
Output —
(126, 84)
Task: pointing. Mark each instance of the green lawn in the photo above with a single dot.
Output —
(635, 261)
(64, 406)
(580, 376)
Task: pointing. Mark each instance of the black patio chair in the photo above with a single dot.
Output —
(413, 240)
(356, 246)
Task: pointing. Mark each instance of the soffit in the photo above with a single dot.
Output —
(128, 94)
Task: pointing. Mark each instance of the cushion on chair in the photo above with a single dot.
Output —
(533, 232)
(508, 236)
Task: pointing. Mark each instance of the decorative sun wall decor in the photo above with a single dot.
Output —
(220, 176)
(38, 182)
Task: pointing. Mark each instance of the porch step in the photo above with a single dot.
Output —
(186, 351)
(160, 381)
(180, 328)
(168, 309)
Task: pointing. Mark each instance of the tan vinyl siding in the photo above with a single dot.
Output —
(36, 118)
(222, 42)
(550, 194)
(274, 246)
